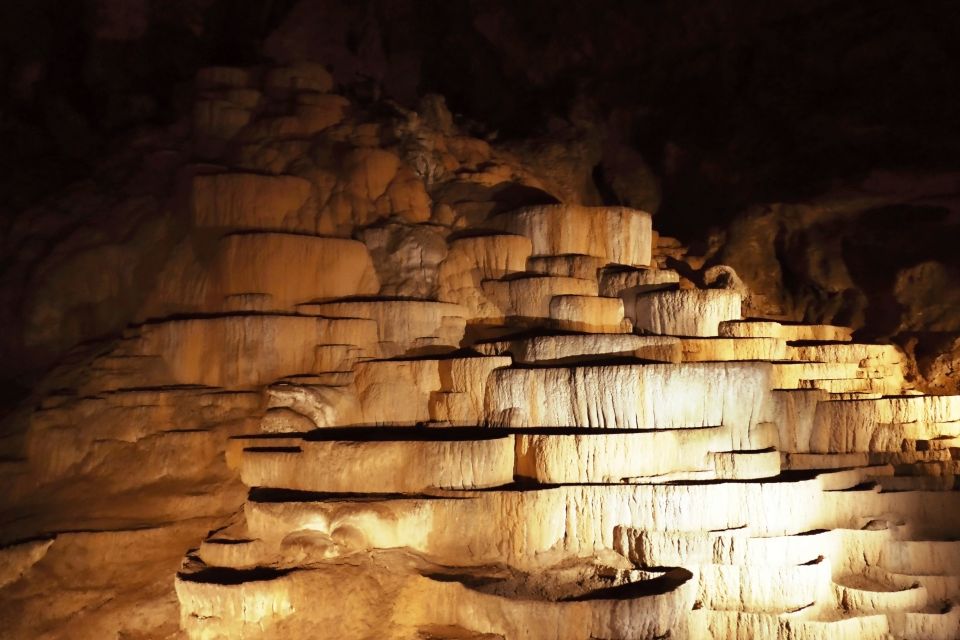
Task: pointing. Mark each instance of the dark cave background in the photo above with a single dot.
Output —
(730, 103)
(704, 112)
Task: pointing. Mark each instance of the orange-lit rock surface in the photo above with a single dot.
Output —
(350, 406)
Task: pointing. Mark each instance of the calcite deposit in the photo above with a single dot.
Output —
(352, 408)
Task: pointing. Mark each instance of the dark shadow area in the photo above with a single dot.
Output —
(666, 583)
(227, 576)
(260, 494)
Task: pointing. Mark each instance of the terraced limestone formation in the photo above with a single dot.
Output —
(528, 458)
(563, 440)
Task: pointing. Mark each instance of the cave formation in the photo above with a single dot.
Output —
(405, 319)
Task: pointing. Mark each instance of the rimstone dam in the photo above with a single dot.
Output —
(523, 425)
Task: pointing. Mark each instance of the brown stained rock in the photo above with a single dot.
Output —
(405, 198)
(220, 118)
(561, 349)
(588, 314)
(274, 157)
(382, 466)
(403, 326)
(292, 269)
(409, 392)
(396, 392)
(532, 529)
(928, 300)
(689, 312)
(264, 272)
(732, 349)
(592, 231)
(471, 260)
(939, 371)
(750, 250)
(787, 332)
(267, 347)
(464, 381)
(101, 583)
(850, 426)
(563, 162)
(613, 458)
(568, 266)
(654, 396)
(370, 171)
(407, 258)
(318, 111)
(527, 299)
(249, 201)
(17, 559)
(444, 605)
(629, 175)
(298, 77)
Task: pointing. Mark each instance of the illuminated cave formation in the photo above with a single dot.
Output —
(641, 464)
(536, 431)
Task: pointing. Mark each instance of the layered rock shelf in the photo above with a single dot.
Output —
(642, 464)
(560, 440)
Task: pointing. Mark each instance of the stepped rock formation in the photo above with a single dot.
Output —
(350, 409)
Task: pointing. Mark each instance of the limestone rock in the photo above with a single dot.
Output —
(300, 77)
(588, 314)
(407, 258)
(559, 519)
(616, 457)
(565, 349)
(409, 392)
(465, 382)
(403, 326)
(568, 266)
(882, 424)
(404, 463)
(929, 303)
(783, 331)
(17, 559)
(294, 406)
(620, 281)
(267, 347)
(291, 269)
(222, 118)
(255, 202)
(685, 313)
(656, 396)
(438, 605)
(397, 392)
(528, 298)
(939, 371)
(614, 234)
(732, 349)
(473, 259)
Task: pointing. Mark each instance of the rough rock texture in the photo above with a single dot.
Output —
(875, 256)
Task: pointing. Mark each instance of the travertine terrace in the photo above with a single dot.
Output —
(565, 440)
